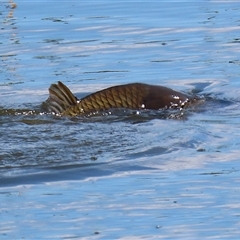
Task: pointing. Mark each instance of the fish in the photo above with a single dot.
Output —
(135, 96)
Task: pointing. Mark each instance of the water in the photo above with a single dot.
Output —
(122, 175)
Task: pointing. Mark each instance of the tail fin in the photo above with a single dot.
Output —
(60, 98)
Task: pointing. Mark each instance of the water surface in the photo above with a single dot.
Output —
(123, 175)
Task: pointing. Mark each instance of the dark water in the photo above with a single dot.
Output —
(123, 175)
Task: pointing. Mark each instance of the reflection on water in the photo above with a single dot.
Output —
(119, 175)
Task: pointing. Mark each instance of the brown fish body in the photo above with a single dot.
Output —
(132, 96)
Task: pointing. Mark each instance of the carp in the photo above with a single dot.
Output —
(134, 96)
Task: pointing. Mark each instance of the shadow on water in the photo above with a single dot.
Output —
(29, 175)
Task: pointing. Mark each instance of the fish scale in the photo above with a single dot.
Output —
(136, 96)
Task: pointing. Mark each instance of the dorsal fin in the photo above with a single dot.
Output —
(60, 98)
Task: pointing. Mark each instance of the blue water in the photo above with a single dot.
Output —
(119, 176)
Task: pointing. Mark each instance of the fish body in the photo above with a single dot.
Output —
(137, 96)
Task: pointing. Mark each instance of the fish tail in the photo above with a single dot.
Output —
(60, 98)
